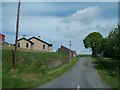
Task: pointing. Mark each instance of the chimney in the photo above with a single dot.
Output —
(24, 36)
(39, 37)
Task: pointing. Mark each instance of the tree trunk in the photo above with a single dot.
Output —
(93, 51)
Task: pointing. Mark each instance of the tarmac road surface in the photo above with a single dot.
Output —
(81, 75)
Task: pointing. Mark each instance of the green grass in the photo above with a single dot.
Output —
(58, 71)
(107, 69)
(32, 69)
(0, 69)
(85, 55)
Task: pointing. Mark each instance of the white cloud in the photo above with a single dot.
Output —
(76, 26)
(59, 30)
(84, 16)
(34, 26)
(38, 24)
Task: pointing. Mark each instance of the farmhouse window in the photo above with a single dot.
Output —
(27, 45)
(43, 46)
(18, 44)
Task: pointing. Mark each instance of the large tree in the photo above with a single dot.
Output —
(112, 46)
(93, 41)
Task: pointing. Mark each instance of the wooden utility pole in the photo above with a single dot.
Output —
(70, 50)
(17, 27)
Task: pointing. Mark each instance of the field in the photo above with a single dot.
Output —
(109, 70)
(31, 70)
(85, 55)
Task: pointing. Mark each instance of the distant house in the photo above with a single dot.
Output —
(2, 38)
(34, 43)
(67, 51)
(73, 53)
(25, 43)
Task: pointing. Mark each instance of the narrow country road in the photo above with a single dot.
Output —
(82, 74)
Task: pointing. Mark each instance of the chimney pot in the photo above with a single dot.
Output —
(24, 36)
(39, 37)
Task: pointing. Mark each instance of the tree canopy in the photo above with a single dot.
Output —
(109, 46)
(93, 41)
(112, 45)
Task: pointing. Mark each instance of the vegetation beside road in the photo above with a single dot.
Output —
(0, 76)
(108, 68)
(85, 55)
(31, 68)
(108, 71)
(106, 47)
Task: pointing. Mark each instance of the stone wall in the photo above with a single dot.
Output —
(55, 63)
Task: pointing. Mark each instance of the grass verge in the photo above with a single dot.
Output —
(108, 71)
(85, 55)
(59, 71)
(0, 68)
(32, 70)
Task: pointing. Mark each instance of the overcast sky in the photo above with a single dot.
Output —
(59, 22)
